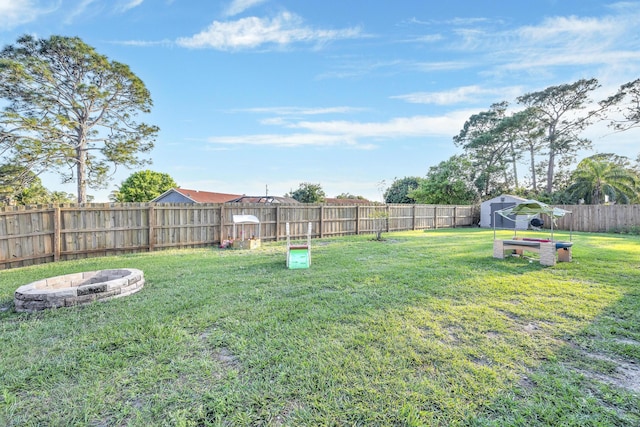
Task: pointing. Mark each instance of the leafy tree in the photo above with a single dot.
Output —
(448, 183)
(34, 194)
(399, 190)
(521, 131)
(626, 103)
(22, 187)
(486, 143)
(380, 222)
(64, 197)
(308, 193)
(616, 159)
(13, 180)
(70, 110)
(349, 196)
(143, 186)
(557, 111)
(596, 176)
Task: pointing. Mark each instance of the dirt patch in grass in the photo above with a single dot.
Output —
(509, 314)
(226, 358)
(492, 335)
(626, 374)
(283, 417)
(626, 341)
(526, 384)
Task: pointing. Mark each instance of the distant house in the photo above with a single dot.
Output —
(182, 195)
(265, 199)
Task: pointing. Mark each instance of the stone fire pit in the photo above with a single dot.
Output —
(78, 288)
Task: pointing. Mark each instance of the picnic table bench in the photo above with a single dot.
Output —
(548, 249)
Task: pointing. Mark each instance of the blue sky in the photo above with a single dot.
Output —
(345, 94)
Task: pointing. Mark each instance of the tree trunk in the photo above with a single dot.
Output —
(552, 157)
(513, 160)
(550, 170)
(81, 166)
(534, 182)
(81, 171)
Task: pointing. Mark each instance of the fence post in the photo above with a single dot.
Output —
(56, 233)
(357, 220)
(455, 216)
(321, 221)
(277, 222)
(413, 218)
(221, 223)
(152, 233)
(435, 217)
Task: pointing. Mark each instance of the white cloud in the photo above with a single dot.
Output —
(285, 115)
(571, 29)
(550, 59)
(238, 6)
(441, 66)
(300, 111)
(357, 67)
(464, 94)
(396, 128)
(353, 134)
(144, 43)
(247, 33)
(289, 140)
(17, 12)
(129, 4)
(557, 41)
(78, 10)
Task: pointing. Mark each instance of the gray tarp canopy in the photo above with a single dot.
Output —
(531, 208)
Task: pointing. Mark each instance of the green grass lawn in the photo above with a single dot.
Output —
(424, 328)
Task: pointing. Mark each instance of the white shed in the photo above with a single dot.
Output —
(488, 207)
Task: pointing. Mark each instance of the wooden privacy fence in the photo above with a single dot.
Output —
(39, 234)
(600, 218)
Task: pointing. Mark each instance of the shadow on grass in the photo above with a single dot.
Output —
(426, 330)
(591, 379)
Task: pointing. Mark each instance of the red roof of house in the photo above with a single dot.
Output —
(207, 196)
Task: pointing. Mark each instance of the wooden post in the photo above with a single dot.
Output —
(152, 222)
(455, 216)
(277, 222)
(357, 220)
(413, 219)
(435, 216)
(222, 223)
(56, 233)
(321, 222)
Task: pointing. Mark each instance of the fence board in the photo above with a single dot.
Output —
(39, 234)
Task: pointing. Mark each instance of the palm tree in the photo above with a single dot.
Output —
(595, 178)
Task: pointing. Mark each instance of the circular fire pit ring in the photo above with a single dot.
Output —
(78, 288)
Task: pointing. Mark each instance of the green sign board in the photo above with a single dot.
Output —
(299, 258)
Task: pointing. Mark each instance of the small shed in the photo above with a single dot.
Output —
(488, 207)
